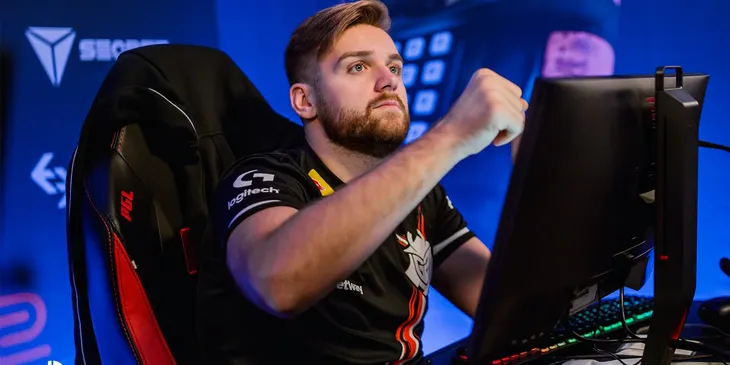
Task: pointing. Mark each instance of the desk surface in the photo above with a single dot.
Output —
(445, 355)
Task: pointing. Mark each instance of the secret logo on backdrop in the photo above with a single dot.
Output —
(53, 47)
(50, 177)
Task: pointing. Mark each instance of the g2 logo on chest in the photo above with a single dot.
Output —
(420, 256)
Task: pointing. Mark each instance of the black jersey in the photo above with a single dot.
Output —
(375, 316)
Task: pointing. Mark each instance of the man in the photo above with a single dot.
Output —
(326, 253)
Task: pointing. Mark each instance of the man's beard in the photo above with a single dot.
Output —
(364, 133)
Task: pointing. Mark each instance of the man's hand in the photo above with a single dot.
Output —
(490, 110)
(515, 146)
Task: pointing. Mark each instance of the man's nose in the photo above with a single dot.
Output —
(387, 80)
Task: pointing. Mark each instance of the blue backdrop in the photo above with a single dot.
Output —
(61, 51)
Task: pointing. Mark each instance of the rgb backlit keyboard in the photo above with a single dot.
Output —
(597, 321)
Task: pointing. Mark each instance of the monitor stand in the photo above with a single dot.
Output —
(677, 129)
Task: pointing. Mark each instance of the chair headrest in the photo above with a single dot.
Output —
(205, 82)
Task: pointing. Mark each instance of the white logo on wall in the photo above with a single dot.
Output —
(53, 47)
(51, 179)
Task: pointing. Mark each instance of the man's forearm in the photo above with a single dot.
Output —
(323, 243)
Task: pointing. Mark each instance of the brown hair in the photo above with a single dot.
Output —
(317, 34)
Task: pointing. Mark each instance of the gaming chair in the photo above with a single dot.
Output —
(167, 121)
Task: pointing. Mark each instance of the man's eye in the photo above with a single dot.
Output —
(357, 68)
(396, 70)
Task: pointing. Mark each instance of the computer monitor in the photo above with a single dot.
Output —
(579, 214)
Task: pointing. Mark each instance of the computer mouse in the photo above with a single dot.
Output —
(716, 312)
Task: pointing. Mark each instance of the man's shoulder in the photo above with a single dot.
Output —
(436, 203)
(435, 196)
(291, 156)
(284, 160)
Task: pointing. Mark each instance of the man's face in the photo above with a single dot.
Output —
(360, 98)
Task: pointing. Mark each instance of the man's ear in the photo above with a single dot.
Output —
(302, 101)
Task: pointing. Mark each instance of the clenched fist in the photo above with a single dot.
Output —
(490, 110)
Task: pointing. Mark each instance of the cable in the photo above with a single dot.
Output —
(714, 146)
(698, 346)
(594, 341)
(623, 315)
(676, 358)
(707, 326)
(609, 353)
(684, 344)
(694, 345)
(606, 341)
(701, 349)
(686, 325)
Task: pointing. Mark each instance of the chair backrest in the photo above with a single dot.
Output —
(167, 121)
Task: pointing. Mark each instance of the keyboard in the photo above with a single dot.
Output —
(605, 317)
(600, 320)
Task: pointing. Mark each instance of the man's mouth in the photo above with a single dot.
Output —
(387, 103)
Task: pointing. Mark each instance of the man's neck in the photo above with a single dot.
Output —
(347, 165)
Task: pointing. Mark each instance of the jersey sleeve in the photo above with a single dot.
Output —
(255, 184)
(450, 228)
